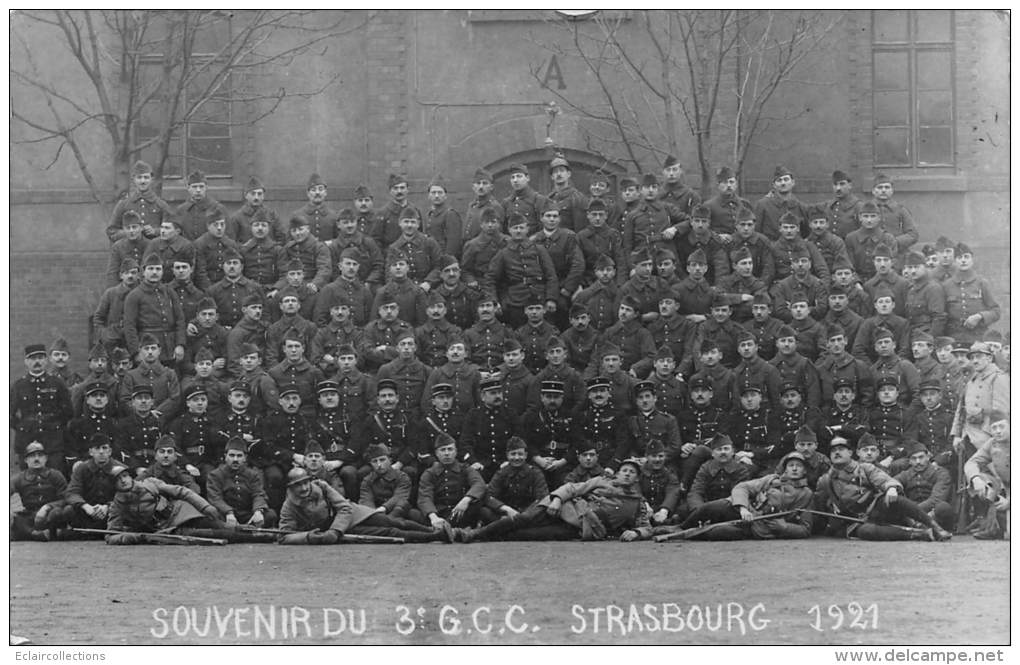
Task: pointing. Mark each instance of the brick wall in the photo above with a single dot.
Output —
(386, 99)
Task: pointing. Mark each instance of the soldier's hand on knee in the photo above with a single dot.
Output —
(231, 520)
(554, 506)
(891, 495)
(257, 519)
(746, 514)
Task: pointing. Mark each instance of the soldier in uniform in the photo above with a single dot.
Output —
(347, 292)
(152, 308)
(96, 418)
(700, 236)
(521, 270)
(713, 483)
(523, 200)
(754, 369)
(410, 297)
(647, 226)
(516, 378)
(724, 207)
(558, 369)
(482, 185)
(485, 339)
(928, 485)
(432, 336)
(197, 433)
(721, 329)
(601, 297)
(843, 208)
(930, 423)
(237, 491)
(678, 197)
(643, 287)
(194, 213)
(487, 429)
(151, 372)
(549, 432)
(313, 254)
(764, 326)
(572, 204)
(986, 391)
(460, 298)
(748, 427)
(831, 246)
(790, 247)
(516, 486)
(171, 247)
(926, 300)
(535, 334)
(791, 414)
(580, 338)
(239, 224)
(37, 498)
(598, 187)
(410, 374)
(387, 227)
(321, 218)
(108, 318)
(365, 217)
(422, 252)
(598, 425)
(295, 370)
(251, 329)
(333, 442)
(628, 335)
(843, 413)
(386, 489)
(970, 305)
(741, 285)
(483, 247)
(839, 313)
(152, 211)
(988, 479)
(720, 376)
(137, 433)
(780, 201)
(889, 364)
(597, 239)
(91, 487)
(358, 246)
(659, 484)
(440, 418)
(450, 491)
(379, 343)
(567, 260)
(132, 246)
(290, 324)
(167, 469)
(646, 425)
(896, 219)
(58, 363)
(862, 243)
(458, 372)
(836, 363)
(212, 249)
(670, 391)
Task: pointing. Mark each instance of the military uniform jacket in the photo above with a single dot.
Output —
(894, 283)
(436, 422)
(411, 376)
(229, 297)
(769, 208)
(982, 394)
(602, 427)
(782, 255)
(633, 340)
(722, 385)
(850, 321)
(852, 490)
(473, 216)
(81, 430)
(517, 487)
(715, 481)
(287, 325)
(760, 248)
(239, 423)
(723, 211)
(926, 306)
(599, 241)
(832, 248)
(478, 255)
(773, 493)
(284, 434)
(580, 345)
(724, 334)
(573, 207)
(461, 303)
(36, 488)
(846, 366)
(303, 374)
(124, 248)
(694, 297)
(246, 331)
(661, 488)
(614, 507)
(786, 422)
(151, 505)
(856, 420)
(811, 338)
(763, 374)
(765, 334)
(887, 423)
(842, 214)
(485, 342)
(333, 432)
(423, 254)
(643, 428)
(166, 389)
(968, 294)
(517, 388)
(548, 434)
(443, 224)
(698, 424)
(371, 267)
(574, 390)
(198, 438)
(394, 429)
(646, 292)
(321, 219)
(155, 309)
(567, 259)
(930, 369)
(325, 508)
(262, 258)
(390, 490)
(91, 483)
(990, 460)
(109, 315)
(579, 474)
(904, 370)
(239, 224)
(679, 200)
(189, 296)
(750, 431)
(39, 404)
(526, 202)
(172, 475)
(152, 210)
(432, 339)
(795, 368)
(864, 342)
(485, 432)
(928, 487)
(601, 301)
(734, 287)
(178, 249)
(381, 333)
(342, 291)
(366, 223)
(465, 379)
(240, 491)
(209, 255)
(670, 393)
(643, 226)
(534, 339)
(192, 215)
(861, 245)
(265, 395)
(441, 487)
(897, 220)
(410, 298)
(314, 257)
(387, 226)
(715, 252)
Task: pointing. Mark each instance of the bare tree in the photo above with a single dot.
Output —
(148, 74)
(709, 75)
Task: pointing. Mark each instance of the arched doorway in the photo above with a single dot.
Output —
(582, 165)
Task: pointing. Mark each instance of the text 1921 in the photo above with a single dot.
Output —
(853, 617)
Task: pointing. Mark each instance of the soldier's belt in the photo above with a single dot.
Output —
(195, 450)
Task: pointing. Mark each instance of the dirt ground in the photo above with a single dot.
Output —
(817, 592)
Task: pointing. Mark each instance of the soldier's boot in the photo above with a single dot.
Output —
(41, 536)
(941, 534)
(923, 534)
(464, 535)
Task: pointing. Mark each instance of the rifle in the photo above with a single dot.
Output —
(168, 538)
(961, 499)
(860, 520)
(687, 534)
(348, 538)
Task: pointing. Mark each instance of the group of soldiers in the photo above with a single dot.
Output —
(715, 369)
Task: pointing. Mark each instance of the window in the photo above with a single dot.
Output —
(204, 141)
(912, 63)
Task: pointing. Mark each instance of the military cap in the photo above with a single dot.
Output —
(435, 298)
(59, 344)
(882, 333)
(140, 168)
(930, 384)
(515, 443)
(384, 384)
(719, 300)
(914, 259)
(697, 256)
(442, 389)
(293, 336)
(294, 265)
(95, 387)
(641, 256)
(515, 219)
(410, 213)
(708, 345)
(665, 352)
(253, 184)
(596, 205)
(719, 440)
(248, 348)
(750, 387)
(668, 294)
(597, 382)
(631, 461)
(130, 217)
(654, 447)
(787, 386)
(627, 182)
(609, 349)
(167, 441)
(511, 345)
(489, 215)
(922, 336)
(559, 160)
(816, 211)
(127, 265)
(329, 385)
(841, 441)
(744, 214)
(577, 310)
(141, 389)
(665, 255)
(205, 304)
(345, 214)
(963, 248)
(992, 335)
(443, 439)
(377, 450)
(887, 380)
(98, 351)
(701, 382)
(455, 340)
(631, 302)
(866, 439)
(151, 260)
(788, 218)
(447, 260)
(701, 211)
(883, 292)
(99, 439)
(289, 389)
(746, 336)
(604, 261)
(762, 298)
(437, 181)
(868, 207)
(297, 220)
(834, 330)
(838, 176)
(837, 290)
(792, 455)
(941, 342)
(943, 243)
(996, 415)
(881, 179)
(33, 448)
(148, 339)
(482, 174)
(352, 253)
(552, 387)
(781, 171)
(844, 382)
(724, 174)
(298, 475)
(236, 443)
(491, 383)
(642, 386)
(361, 192)
(670, 161)
(205, 353)
(517, 167)
(979, 347)
(799, 296)
(882, 250)
(196, 177)
(929, 250)
(649, 179)
(805, 434)
(119, 354)
(240, 387)
(841, 263)
(740, 254)
(534, 300)
(599, 176)
(117, 468)
(386, 298)
(785, 331)
(315, 180)
(912, 447)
